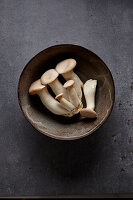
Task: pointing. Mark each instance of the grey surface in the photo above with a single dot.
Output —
(33, 164)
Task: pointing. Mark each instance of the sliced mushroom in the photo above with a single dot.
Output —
(50, 77)
(65, 68)
(49, 102)
(66, 104)
(74, 99)
(89, 93)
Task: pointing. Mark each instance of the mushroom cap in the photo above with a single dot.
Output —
(49, 76)
(86, 112)
(59, 96)
(68, 84)
(65, 66)
(36, 87)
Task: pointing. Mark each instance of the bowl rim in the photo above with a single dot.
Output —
(71, 137)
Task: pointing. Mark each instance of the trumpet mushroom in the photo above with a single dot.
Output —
(74, 99)
(50, 77)
(65, 68)
(89, 93)
(49, 102)
(66, 104)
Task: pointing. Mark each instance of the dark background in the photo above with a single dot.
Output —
(33, 164)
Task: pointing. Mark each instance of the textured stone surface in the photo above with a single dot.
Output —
(33, 164)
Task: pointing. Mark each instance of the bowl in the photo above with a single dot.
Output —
(89, 66)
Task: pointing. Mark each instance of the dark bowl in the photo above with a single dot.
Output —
(89, 65)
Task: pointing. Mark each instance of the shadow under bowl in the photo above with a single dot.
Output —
(89, 66)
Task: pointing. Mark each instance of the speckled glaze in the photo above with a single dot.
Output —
(89, 65)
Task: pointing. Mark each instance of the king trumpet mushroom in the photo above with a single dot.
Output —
(66, 104)
(89, 93)
(50, 78)
(65, 68)
(74, 99)
(49, 102)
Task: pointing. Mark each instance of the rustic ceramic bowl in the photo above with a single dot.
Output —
(89, 66)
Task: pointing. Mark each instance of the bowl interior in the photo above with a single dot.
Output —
(88, 66)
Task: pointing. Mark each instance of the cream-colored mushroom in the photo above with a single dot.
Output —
(65, 68)
(49, 102)
(66, 104)
(50, 77)
(74, 99)
(89, 93)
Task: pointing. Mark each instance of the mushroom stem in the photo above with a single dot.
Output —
(77, 82)
(73, 96)
(57, 88)
(65, 68)
(89, 93)
(72, 76)
(49, 102)
(66, 104)
(74, 99)
(50, 77)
